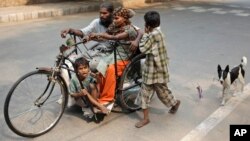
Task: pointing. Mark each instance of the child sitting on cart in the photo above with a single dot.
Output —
(89, 83)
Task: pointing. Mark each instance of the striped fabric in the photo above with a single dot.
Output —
(155, 68)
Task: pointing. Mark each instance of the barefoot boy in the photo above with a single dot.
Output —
(155, 72)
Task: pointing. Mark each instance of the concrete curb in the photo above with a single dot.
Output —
(22, 13)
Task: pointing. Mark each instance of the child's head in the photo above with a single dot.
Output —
(82, 67)
(152, 19)
(121, 16)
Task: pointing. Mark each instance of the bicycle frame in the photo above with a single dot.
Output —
(50, 91)
(65, 52)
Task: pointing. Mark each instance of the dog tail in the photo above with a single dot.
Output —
(244, 61)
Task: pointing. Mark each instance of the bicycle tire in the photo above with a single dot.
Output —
(34, 119)
(130, 82)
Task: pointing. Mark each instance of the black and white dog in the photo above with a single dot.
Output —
(228, 77)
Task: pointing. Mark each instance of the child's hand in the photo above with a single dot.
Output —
(96, 36)
(84, 92)
(92, 35)
(134, 45)
(96, 76)
(86, 38)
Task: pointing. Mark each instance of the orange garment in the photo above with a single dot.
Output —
(108, 83)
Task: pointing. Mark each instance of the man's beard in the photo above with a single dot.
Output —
(106, 22)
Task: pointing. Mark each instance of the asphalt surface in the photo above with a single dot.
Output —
(199, 37)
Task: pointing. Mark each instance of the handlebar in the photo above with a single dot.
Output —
(68, 50)
(71, 46)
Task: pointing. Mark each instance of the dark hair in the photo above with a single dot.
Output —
(109, 6)
(152, 19)
(81, 61)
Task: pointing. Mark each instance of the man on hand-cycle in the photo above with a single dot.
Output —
(102, 48)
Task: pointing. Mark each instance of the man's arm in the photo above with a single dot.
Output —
(71, 31)
(82, 32)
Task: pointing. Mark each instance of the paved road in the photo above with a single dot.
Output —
(200, 36)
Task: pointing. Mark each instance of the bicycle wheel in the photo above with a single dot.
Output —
(31, 107)
(130, 82)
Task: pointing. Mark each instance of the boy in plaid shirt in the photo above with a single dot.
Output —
(155, 72)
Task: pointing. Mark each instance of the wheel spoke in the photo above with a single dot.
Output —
(20, 114)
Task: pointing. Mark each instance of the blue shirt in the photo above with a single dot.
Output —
(75, 87)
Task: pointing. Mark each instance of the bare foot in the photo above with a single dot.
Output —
(142, 123)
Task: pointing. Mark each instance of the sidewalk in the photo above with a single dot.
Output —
(20, 13)
(29, 12)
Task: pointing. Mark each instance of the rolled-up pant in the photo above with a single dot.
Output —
(164, 94)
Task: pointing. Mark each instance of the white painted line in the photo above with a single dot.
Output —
(195, 7)
(220, 12)
(243, 14)
(215, 118)
(236, 11)
(214, 9)
(199, 10)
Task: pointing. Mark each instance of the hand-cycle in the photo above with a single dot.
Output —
(31, 107)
